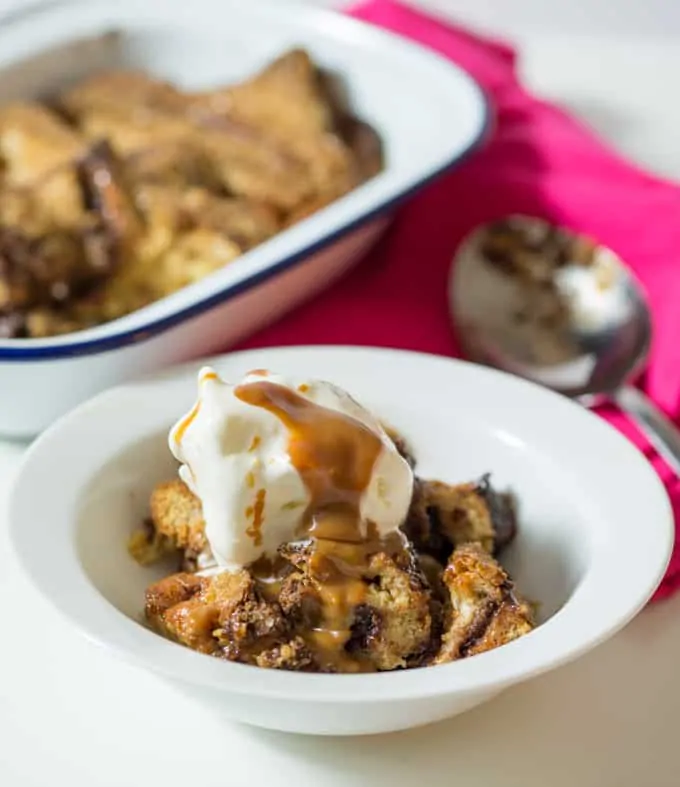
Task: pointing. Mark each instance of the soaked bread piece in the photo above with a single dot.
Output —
(247, 622)
(187, 235)
(175, 165)
(392, 626)
(241, 161)
(227, 616)
(176, 513)
(252, 166)
(37, 150)
(130, 109)
(395, 625)
(107, 91)
(288, 103)
(443, 516)
(286, 100)
(483, 610)
(292, 655)
(33, 142)
(172, 211)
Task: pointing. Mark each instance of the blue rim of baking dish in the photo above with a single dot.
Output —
(132, 336)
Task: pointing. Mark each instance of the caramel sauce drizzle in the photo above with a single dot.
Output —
(256, 511)
(334, 455)
(191, 416)
(186, 423)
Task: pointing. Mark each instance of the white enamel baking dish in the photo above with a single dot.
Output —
(430, 115)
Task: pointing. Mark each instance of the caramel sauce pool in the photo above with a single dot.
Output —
(334, 455)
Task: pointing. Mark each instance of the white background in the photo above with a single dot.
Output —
(648, 17)
(609, 720)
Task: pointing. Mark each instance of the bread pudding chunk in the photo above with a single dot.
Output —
(176, 513)
(483, 610)
(443, 516)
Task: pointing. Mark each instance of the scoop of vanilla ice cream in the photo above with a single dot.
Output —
(235, 459)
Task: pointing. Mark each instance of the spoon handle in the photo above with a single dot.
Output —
(662, 433)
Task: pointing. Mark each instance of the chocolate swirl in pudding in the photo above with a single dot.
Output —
(335, 455)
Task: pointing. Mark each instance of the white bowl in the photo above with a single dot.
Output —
(429, 113)
(595, 537)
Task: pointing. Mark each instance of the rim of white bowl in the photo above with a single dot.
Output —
(634, 493)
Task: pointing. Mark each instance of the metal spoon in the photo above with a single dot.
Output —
(557, 308)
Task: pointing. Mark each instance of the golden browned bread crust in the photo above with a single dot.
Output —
(34, 142)
(225, 616)
(176, 513)
(291, 655)
(222, 615)
(394, 624)
(288, 103)
(483, 610)
(443, 516)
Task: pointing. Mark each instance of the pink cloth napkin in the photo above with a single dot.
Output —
(540, 161)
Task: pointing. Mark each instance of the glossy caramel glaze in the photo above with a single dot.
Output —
(334, 455)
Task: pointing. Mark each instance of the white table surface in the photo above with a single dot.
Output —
(72, 715)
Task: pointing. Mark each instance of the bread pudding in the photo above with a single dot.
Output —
(305, 540)
(123, 188)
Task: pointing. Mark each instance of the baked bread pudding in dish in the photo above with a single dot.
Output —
(123, 189)
(306, 541)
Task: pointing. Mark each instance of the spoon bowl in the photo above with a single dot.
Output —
(561, 310)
